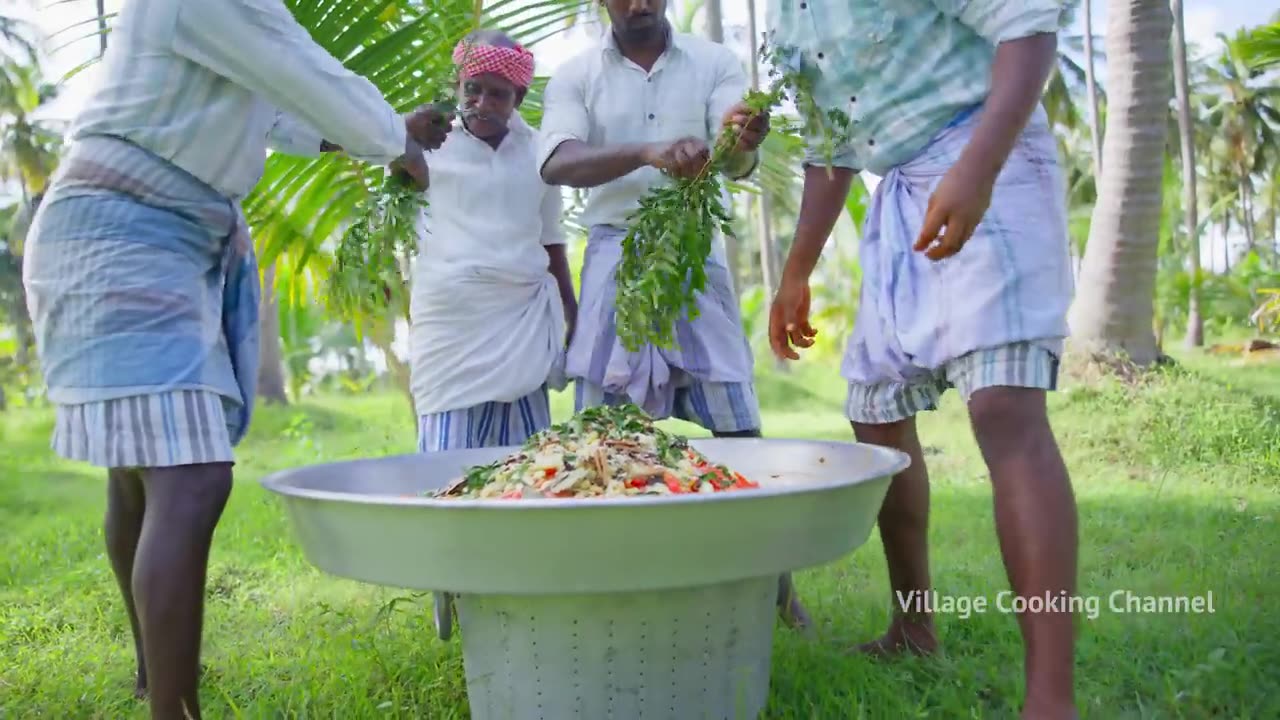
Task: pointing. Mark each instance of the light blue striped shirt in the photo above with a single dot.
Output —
(209, 85)
(899, 70)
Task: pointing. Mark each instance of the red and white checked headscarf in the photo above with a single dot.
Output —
(514, 64)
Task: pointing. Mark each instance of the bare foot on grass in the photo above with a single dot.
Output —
(1049, 711)
(903, 638)
(790, 610)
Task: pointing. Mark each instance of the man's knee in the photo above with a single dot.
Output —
(192, 494)
(896, 434)
(1008, 416)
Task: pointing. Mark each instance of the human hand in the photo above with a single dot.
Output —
(429, 125)
(789, 318)
(750, 127)
(958, 204)
(412, 165)
(685, 158)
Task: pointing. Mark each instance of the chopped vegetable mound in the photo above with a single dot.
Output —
(600, 452)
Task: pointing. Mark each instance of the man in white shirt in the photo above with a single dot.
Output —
(143, 290)
(492, 294)
(650, 100)
(492, 299)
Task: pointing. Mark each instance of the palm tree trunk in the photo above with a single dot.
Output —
(271, 385)
(768, 260)
(1091, 85)
(1246, 209)
(732, 248)
(1114, 306)
(1271, 206)
(1186, 131)
(1226, 245)
(102, 28)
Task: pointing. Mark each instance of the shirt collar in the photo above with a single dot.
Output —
(675, 42)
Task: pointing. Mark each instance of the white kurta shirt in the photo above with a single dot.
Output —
(487, 320)
(209, 84)
(602, 98)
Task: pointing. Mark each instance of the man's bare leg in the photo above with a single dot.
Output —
(122, 527)
(184, 505)
(1036, 522)
(904, 531)
(790, 610)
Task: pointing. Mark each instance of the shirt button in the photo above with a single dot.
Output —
(650, 116)
(853, 98)
(872, 141)
(820, 56)
(804, 6)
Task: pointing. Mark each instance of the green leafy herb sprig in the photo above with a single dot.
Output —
(833, 125)
(665, 250)
(366, 278)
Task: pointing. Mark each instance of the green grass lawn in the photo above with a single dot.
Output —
(1177, 483)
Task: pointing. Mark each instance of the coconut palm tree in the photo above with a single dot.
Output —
(1261, 46)
(1186, 134)
(1245, 118)
(1091, 84)
(1113, 310)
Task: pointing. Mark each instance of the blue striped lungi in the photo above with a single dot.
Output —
(144, 294)
(706, 379)
(993, 314)
(490, 424)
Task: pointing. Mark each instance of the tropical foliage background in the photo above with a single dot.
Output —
(1170, 152)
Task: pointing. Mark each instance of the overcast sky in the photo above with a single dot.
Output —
(1204, 18)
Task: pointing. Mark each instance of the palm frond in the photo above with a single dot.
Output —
(300, 203)
(1260, 48)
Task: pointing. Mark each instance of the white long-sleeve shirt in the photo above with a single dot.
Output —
(209, 85)
(602, 98)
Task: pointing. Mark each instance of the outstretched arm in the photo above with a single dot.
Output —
(1025, 37)
(579, 165)
(821, 202)
(258, 45)
(566, 158)
(820, 206)
(1018, 78)
(292, 136)
(1026, 41)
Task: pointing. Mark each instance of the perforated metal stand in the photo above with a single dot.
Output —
(693, 654)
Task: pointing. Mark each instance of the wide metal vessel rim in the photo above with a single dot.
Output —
(890, 462)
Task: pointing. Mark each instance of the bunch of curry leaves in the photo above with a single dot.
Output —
(366, 277)
(366, 274)
(664, 253)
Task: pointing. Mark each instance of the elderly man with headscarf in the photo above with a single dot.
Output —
(142, 286)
